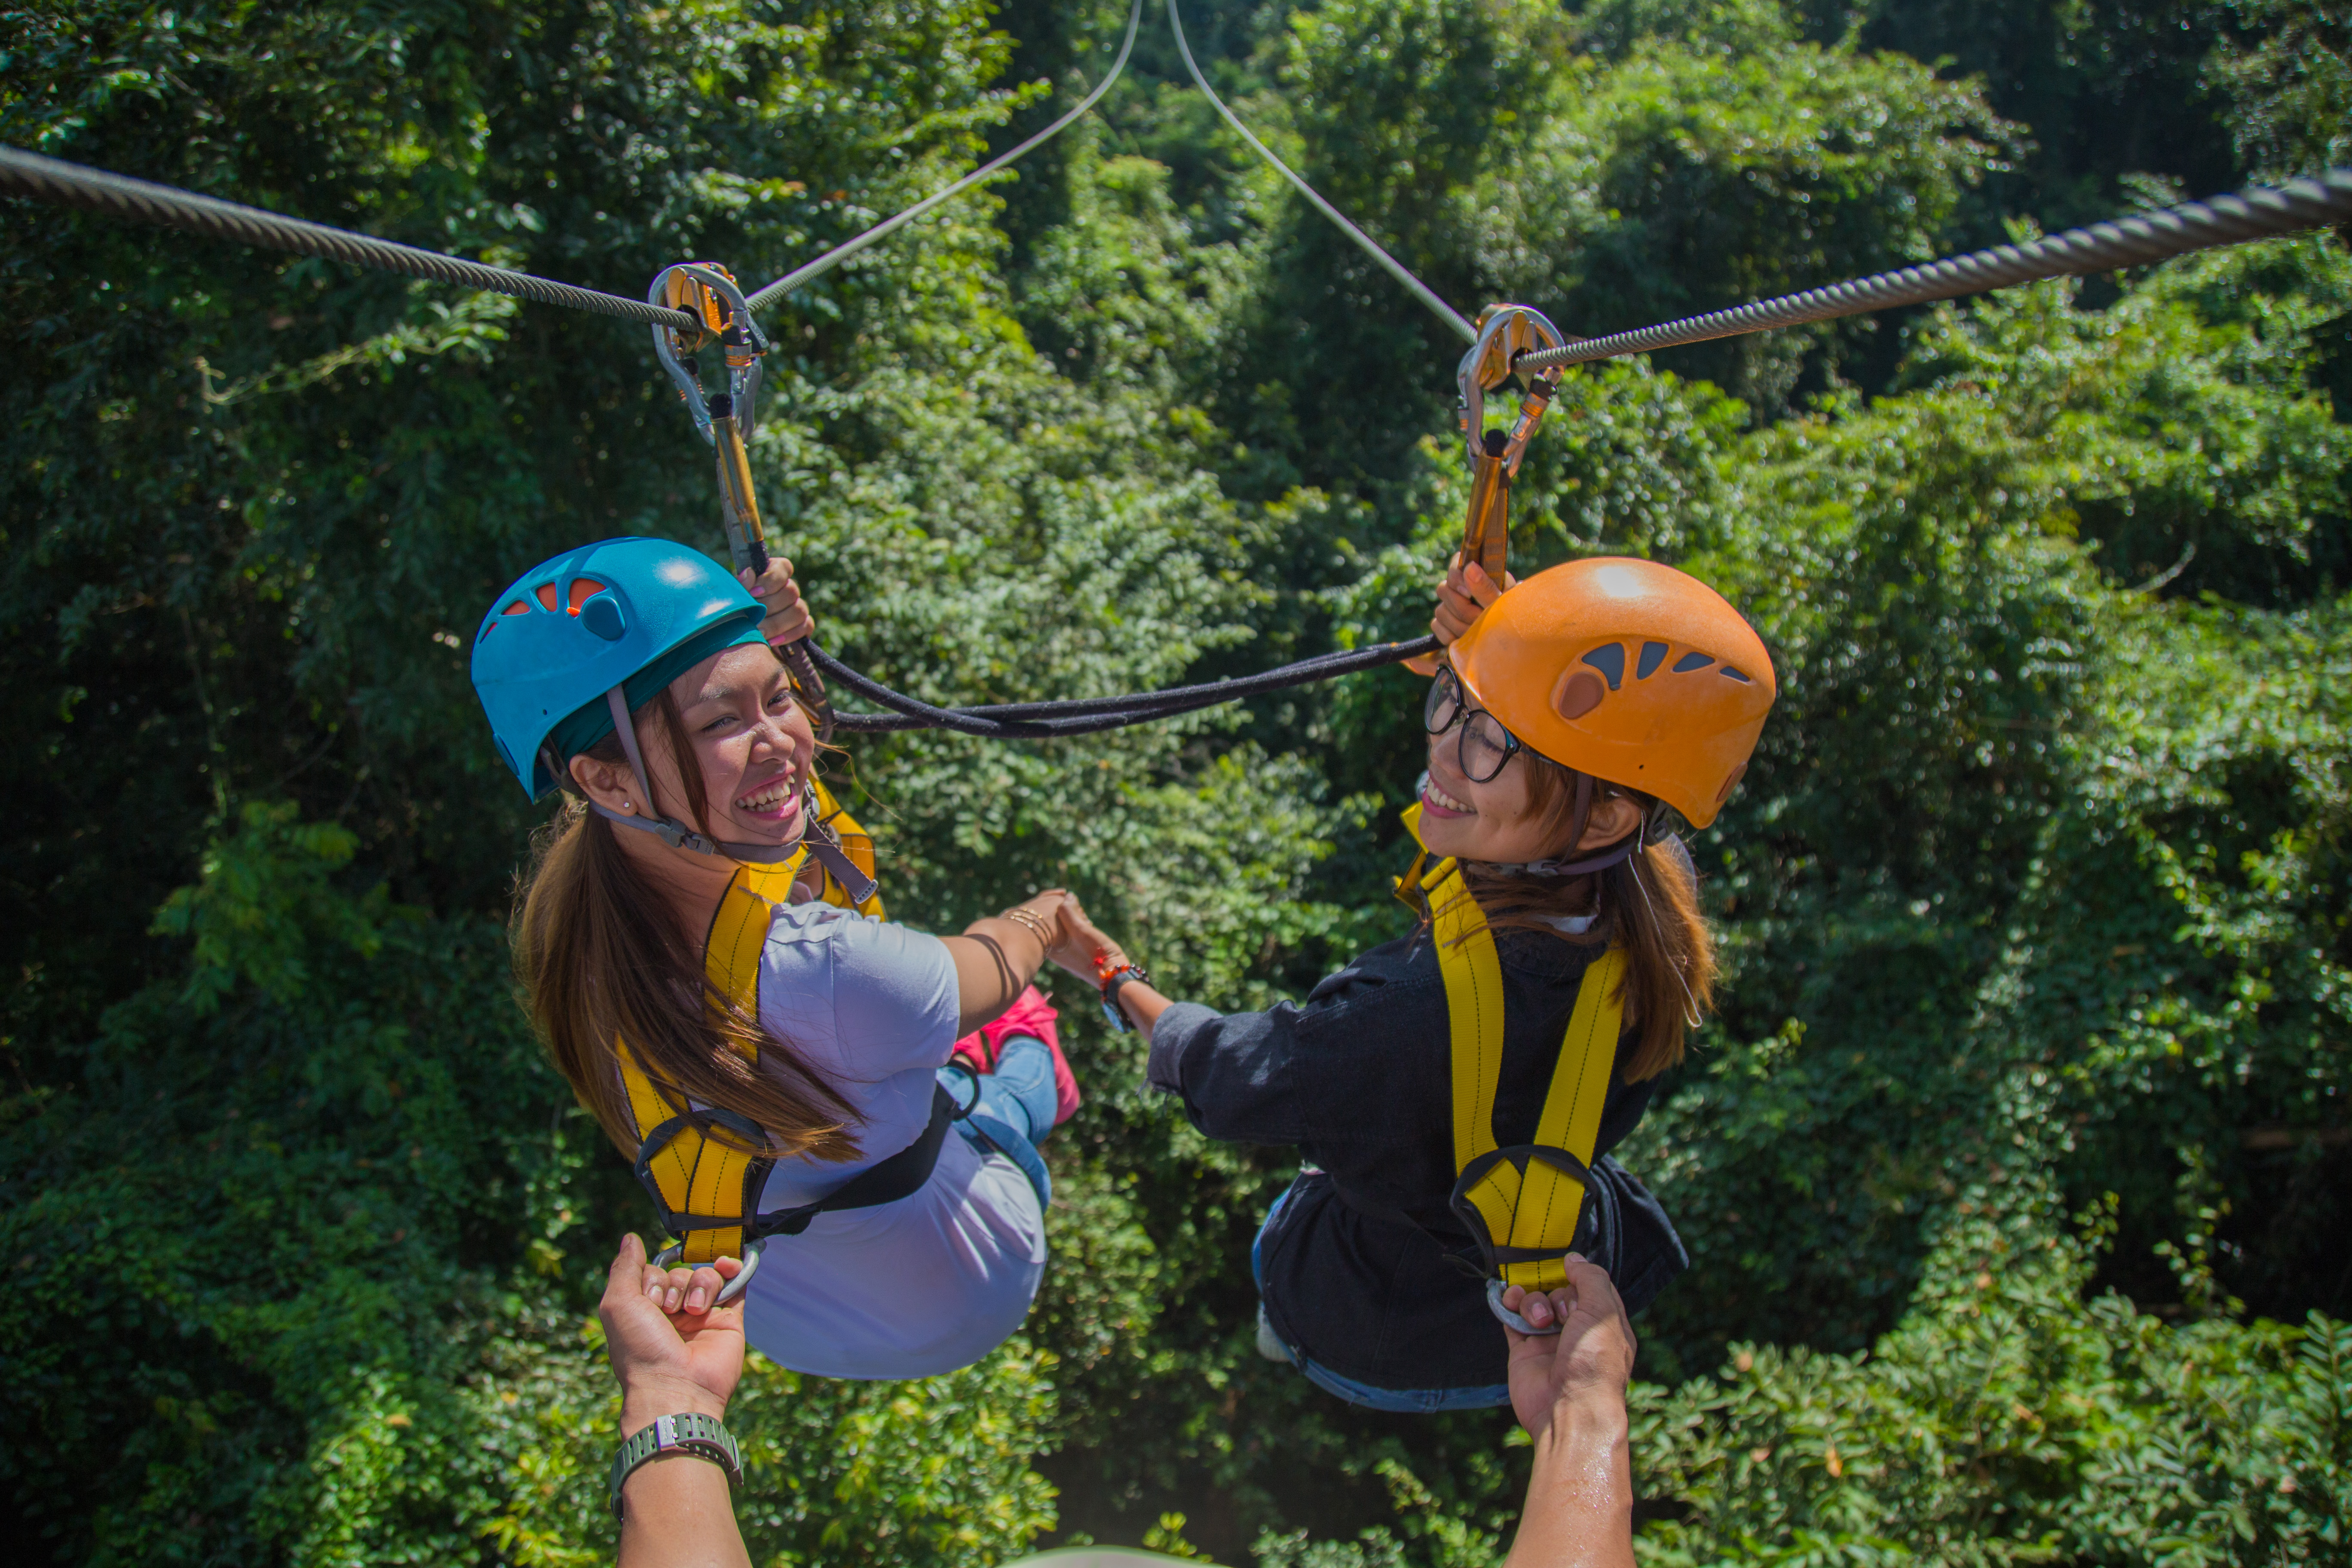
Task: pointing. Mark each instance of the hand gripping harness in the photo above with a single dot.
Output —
(1524, 1204)
(704, 1190)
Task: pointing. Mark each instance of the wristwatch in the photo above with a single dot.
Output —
(700, 1435)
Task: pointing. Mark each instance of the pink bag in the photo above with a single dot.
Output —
(1032, 1015)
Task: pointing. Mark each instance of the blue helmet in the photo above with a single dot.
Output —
(570, 629)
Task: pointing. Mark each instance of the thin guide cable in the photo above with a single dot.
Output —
(832, 259)
(1396, 270)
(2260, 212)
(116, 196)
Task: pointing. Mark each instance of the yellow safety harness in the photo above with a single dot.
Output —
(1523, 1202)
(705, 1189)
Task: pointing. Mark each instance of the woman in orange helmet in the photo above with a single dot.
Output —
(1457, 1092)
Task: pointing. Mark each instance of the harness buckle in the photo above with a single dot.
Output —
(1508, 1319)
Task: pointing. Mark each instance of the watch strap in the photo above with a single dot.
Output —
(1112, 983)
(700, 1435)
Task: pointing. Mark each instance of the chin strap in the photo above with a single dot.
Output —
(823, 843)
(1617, 853)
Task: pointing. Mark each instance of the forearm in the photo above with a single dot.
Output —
(1580, 1510)
(678, 1510)
(995, 959)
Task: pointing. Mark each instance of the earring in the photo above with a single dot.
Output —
(628, 805)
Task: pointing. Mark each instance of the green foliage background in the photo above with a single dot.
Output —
(2015, 1171)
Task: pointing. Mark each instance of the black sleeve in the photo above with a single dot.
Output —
(1288, 1074)
(1231, 1070)
(1624, 1109)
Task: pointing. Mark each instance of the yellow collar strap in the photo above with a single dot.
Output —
(1521, 1204)
(707, 1192)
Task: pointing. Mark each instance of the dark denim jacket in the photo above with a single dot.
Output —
(1359, 1076)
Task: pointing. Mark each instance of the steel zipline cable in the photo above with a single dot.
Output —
(115, 195)
(2259, 213)
(2134, 240)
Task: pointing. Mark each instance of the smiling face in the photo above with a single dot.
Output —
(1514, 816)
(750, 742)
(746, 737)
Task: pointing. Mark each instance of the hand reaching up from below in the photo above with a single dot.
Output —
(1591, 1360)
(669, 1347)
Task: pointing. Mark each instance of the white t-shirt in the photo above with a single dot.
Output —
(938, 1279)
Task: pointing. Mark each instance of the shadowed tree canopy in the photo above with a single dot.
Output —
(2014, 1168)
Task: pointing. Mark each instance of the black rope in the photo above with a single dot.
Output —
(2259, 213)
(94, 190)
(1087, 715)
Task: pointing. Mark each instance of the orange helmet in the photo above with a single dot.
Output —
(1627, 670)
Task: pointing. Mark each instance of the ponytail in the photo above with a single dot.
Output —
(601, 959)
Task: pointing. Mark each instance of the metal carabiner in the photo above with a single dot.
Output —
(1504, 333)
(708, 290)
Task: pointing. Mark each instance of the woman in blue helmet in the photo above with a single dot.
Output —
(773, 1062)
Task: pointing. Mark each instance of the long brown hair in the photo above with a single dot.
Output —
(601, 959)
(1647, 904)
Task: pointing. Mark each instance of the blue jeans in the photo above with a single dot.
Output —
(1400, 1401)
(1014, 1109)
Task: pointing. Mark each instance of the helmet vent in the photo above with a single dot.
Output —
(1653, 654)
(1580, 694)
(546, 595)
(603, 617)
(1736, 676)
(582, 587)
(520, 608)
(1609, 659)
(1691, 661)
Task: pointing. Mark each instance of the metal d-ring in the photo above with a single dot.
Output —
(1509, 1319)
(957, 1064)
(728, 1289)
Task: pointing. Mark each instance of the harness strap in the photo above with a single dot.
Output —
(884, 1181)
(706, 1189)
(1524, 1204)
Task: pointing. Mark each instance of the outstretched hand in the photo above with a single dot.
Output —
(1591, 1357)
(670, 1348)
(788, 618)
(1465, 594)
(1080, 941)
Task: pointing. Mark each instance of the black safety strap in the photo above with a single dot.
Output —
(899, 1176)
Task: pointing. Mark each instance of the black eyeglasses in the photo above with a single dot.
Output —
(1485, 746)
